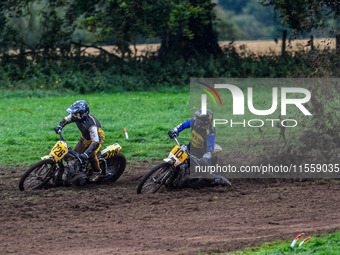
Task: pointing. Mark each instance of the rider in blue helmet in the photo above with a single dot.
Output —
(202, 140)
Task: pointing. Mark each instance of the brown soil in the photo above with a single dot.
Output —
(113, 219)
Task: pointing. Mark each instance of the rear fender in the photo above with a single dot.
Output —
(110, 151)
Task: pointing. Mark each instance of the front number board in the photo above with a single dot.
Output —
(178, 155)
(59, 150)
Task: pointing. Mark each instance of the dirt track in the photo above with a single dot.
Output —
(113, 219)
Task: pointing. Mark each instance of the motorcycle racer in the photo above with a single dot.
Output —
(202, 140)
(92, 137)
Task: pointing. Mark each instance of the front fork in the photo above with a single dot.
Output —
(58, 173)
(177, 174)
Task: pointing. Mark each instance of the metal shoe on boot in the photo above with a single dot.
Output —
(97, 172)
(95, 176)
(222, 181)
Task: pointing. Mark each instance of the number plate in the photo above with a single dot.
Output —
(59, 150)
(178, 155)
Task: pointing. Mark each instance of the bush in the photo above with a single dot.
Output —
(97, 73)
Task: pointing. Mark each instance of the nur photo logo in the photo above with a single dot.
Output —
(244, 99)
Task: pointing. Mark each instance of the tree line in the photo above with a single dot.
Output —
(56, 26)
(185, 28)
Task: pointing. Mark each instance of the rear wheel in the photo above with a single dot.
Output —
(116, 166)
(155, 179)
(37, 175)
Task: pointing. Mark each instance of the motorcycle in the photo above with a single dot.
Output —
(64, 167)
(175, 171)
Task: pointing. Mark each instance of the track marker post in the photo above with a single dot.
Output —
(296, 239)
(304, 241)
(126, 134)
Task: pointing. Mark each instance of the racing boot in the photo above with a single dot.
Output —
(219, 180)
(97, 171)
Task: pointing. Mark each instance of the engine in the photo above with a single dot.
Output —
(73, 174)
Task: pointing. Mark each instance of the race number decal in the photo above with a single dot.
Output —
(178, 155)
(59, 150)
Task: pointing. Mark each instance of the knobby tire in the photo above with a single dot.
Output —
(119, 164)
(37, 176)
(154, 179)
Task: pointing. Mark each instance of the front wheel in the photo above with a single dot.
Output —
(37, 175)
(155, 179)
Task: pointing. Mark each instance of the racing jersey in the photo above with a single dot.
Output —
(202, 139)
(90, 129)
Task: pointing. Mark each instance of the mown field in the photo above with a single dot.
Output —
(259, 47)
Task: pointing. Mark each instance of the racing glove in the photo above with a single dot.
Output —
(58, 129)
(207, 156)
(173, 133)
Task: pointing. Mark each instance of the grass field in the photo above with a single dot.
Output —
(325, 245)
(27, 123)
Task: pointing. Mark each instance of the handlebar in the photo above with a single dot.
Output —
(175, 138)
(190, 155)
(72, 152)
(61, 137)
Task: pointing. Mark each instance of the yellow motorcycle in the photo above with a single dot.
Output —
(175, 171)
(64, 167)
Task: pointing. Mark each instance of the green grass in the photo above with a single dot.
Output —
(320, 245)
(27, 123)
(27, 119)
